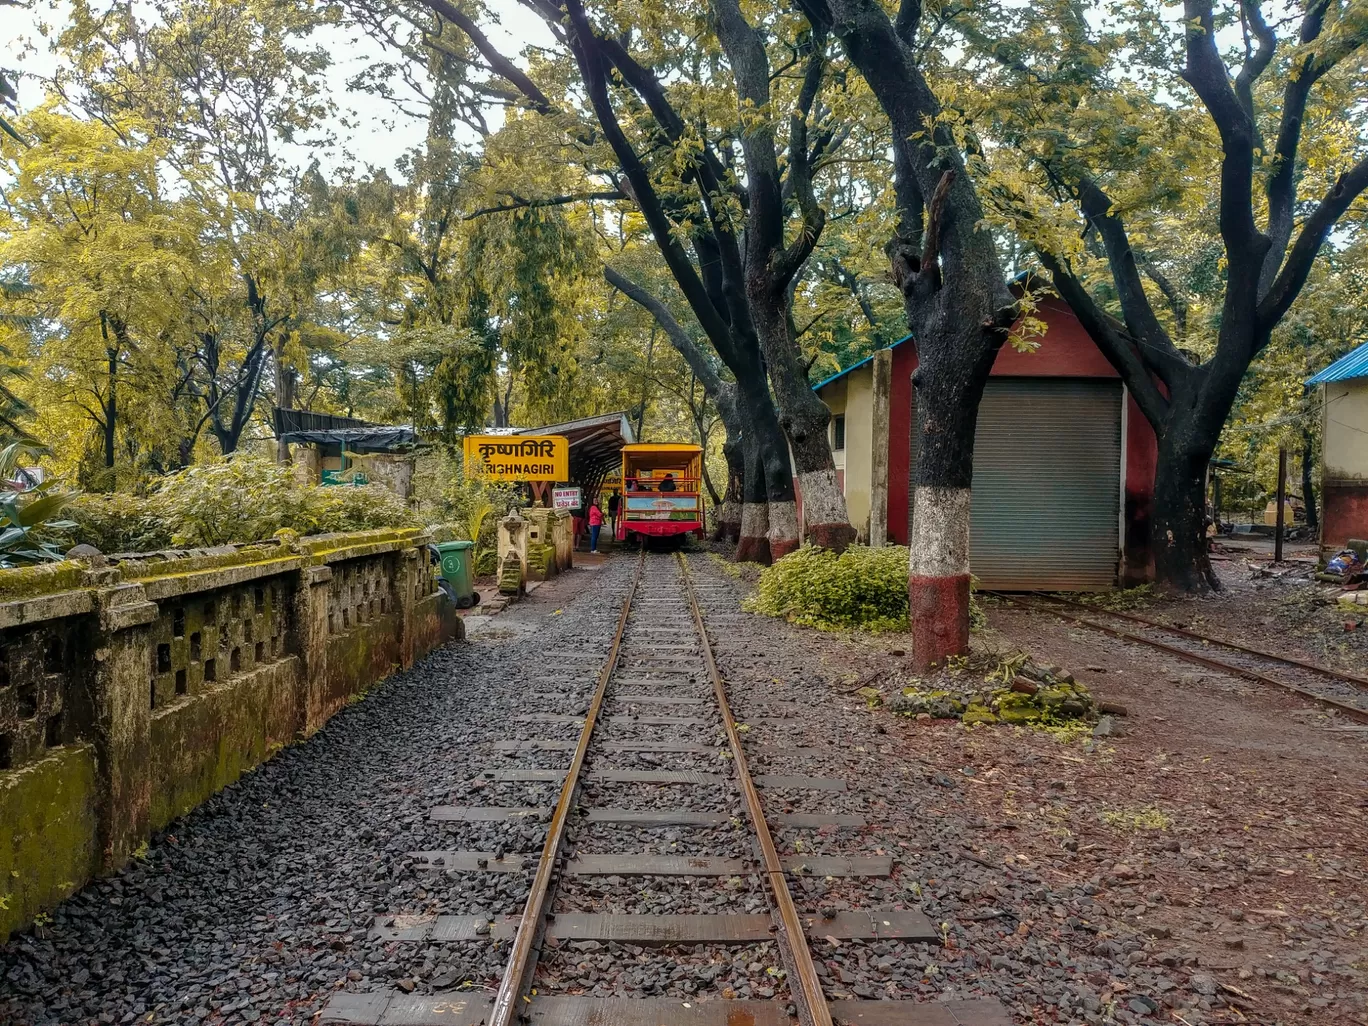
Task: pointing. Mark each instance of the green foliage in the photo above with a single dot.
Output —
(863, 589)
(28, 520)
(245, 498)
(118, 522)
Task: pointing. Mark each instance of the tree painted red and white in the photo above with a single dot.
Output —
(955, 295)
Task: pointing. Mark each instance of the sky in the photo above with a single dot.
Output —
(382, 133)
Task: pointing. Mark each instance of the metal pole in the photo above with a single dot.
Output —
(1282, 502)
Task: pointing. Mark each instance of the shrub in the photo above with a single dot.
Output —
(863, 588)
(117, 522)
(357, 509)
(245, 498)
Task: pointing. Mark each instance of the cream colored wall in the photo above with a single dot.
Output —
(1346, 429)
(859, 438)
(834, 395)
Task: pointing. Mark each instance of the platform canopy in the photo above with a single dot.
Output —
(595, 445)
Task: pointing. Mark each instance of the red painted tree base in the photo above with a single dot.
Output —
(939, 607)
(753, 550)
(780, 549)
(836, 537)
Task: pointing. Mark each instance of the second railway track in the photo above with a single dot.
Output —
(654, 789)
(1342, 692)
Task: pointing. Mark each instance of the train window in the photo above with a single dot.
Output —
(838, 432)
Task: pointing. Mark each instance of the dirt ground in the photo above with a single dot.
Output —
(1220, 831)
(1225, 822)
(1277, 607)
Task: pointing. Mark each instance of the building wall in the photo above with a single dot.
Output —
(859, 450)
(1344, 482)
(1065, 351)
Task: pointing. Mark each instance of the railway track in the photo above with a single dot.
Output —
(695, 830)
(1345, 693)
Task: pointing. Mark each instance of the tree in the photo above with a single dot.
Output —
(733, 249)
(954, 296)
(97, 253)
(1254, 144)
(223, 85)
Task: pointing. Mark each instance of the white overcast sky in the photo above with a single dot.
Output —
(382, 133)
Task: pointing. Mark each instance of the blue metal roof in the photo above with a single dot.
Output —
(1352, 365)
(855, 366)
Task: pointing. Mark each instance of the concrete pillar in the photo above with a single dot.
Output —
(878, 483)
(409, 573)
(123, 720)
(310, 644)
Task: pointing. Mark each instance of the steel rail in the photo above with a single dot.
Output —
(809, 984)
(1351, 711)
(522, 955)
(1173, 629)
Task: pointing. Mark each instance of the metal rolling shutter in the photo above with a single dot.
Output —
(1047, 484)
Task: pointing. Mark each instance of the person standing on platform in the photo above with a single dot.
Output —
(595, 525)
(614, 502)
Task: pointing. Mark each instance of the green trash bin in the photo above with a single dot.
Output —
(457, 579)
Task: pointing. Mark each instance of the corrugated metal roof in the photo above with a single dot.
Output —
(855, 366)
(1352, 365)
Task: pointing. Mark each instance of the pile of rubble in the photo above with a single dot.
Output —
(1037, 696)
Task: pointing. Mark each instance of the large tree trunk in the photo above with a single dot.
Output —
(728, 522)
(804, 418)
(1178, 529)
(111, 411)
(769, 515)
(951, 374)
(752, 544)
(284, 396)
(728, 525)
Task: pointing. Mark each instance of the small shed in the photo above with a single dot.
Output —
(1063, 461)
(329, 445)
(1344, 462)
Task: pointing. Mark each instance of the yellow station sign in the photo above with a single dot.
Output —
(518, 457)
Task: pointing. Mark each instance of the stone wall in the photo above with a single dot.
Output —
(132, 691)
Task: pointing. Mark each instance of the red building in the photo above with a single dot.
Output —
(1063, 461)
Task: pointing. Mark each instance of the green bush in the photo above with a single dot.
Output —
(245, 498)
(863, 588)
(117, 522)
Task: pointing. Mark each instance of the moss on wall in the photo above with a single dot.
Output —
(81, 809)
(25, 582)
(202, 744)
(48, 829)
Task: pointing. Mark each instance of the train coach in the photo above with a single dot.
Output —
(661, 491)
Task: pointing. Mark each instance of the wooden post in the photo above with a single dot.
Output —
(1282, 503)
(878, 490)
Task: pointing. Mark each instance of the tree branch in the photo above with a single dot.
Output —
(674, 331)
(1159, 352)
(1315, 229)
(909, 19)
(550, 201)
(1206, 73)
(1256, 61)
(592, 68)
(1281, 187)
(498, 63)
(1110, 337)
